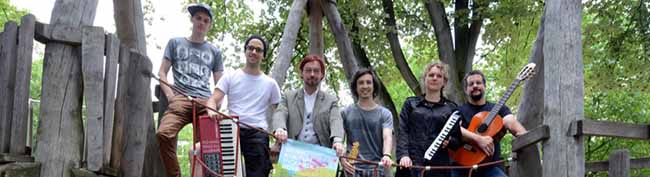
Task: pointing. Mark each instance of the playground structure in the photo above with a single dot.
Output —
(114, 137)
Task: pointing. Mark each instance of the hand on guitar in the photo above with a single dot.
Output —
(486, 144)
(406, 162)
(349, 169)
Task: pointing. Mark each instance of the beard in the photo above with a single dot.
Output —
(312, 82)
(477, 97)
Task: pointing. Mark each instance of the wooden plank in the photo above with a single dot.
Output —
(604, 165)
(60, 134)
(58, 33)
(532, 137)
(92, 69)
(610, 129)
(21, 89)
(620, 166)
(110, 84)
(7, 81)
(6, 157)
(139, 116)
(563, 88)
(21, 169)
(117, 150)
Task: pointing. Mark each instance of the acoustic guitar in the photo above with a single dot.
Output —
(488, 124)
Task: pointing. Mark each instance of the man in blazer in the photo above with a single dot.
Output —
(308, 114)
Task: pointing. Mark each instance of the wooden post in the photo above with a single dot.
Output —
(288, 42)
(7, 81)
(92, 67)
(21, 89)
(563, 88)
(619, 163)
(138, 114)
(60, 126)
(110, 84)
(341, 36)
(315, 28)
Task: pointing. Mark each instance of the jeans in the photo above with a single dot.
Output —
(489, 171)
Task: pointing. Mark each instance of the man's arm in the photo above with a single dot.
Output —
(162, 73)
(336, 128)
(216, 76)
(214, 101)
(512, 124)
(280, 116)
(387, 135)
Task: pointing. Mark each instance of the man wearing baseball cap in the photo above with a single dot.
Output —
(193, 61)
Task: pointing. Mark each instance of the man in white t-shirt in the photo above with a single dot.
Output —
(250, 93)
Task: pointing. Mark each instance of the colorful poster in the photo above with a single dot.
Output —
(298, 159)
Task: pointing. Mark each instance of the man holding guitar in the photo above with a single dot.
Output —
(474, 85)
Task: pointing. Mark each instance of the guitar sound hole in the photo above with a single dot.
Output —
(482, 128)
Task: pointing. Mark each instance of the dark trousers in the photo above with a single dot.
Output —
(255, 148)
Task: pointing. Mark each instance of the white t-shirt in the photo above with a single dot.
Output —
(249, 96)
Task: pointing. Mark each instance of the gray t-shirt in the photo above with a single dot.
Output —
(193, 64)
(366, 127)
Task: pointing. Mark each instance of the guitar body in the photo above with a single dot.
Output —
(471, 154)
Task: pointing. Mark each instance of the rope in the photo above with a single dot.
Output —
(429, 168)
(224, 116)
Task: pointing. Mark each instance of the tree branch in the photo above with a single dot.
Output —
(396, 48)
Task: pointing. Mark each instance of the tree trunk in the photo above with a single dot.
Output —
(341, 36)
(563, 88)
(440, 23)
(531, 110)
(396, 49)
(129, 24)
(60, 127)
(288, 42)
(315, 28)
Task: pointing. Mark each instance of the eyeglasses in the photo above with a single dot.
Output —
(475, 83)
(254, 49)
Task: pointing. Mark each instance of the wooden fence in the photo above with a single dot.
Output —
(619, 163)
(118, 127)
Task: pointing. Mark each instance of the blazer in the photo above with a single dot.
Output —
(326, 118)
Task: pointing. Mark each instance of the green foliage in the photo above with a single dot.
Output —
(9, 13)
(616, 41)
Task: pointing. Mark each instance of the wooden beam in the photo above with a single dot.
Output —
(604, 165)
(532, 137)
(110, 84)
(7, 82)
(609, 129)
(563, 88)
(46, 33)
(288, 42)
(92, 69)
(315, 28)
(21, 89)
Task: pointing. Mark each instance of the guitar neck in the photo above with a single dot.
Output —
(502, 101)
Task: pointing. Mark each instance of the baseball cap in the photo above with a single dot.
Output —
(193, 8)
